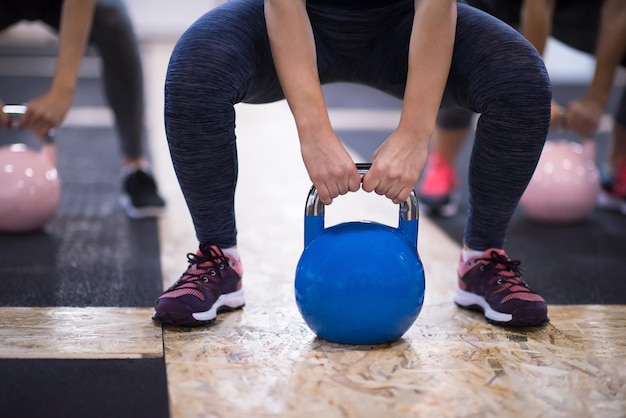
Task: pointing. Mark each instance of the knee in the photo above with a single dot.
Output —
(198, 71)
(200, 87)
(211, 68)
(519, 89)
(501, 68)
(532, 87)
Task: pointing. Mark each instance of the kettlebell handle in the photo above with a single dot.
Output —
(15, 111)
(314, 213)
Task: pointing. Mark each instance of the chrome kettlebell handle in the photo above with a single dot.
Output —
(408, 216)
(15, 111)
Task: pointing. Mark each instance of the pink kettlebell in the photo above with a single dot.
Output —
(565, 185)
(30, 188)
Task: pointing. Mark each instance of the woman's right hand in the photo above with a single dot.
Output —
(330, 167)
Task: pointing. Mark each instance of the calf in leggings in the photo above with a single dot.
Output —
(110, 31)
(427, 53)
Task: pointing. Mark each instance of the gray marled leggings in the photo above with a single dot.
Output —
(224, 58)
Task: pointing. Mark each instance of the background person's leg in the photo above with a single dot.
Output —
(438, 188)
(113, 36)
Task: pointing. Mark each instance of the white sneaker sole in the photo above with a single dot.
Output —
(230, 301)
(469, 300)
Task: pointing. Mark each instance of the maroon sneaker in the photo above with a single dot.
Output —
(493, 283)
(211, 284)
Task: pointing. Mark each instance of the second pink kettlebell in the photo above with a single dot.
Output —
(565, 185)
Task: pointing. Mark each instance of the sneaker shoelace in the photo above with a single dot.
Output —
(507, 272)
(203, 268)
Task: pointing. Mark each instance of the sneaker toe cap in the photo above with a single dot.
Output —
(531, 315)
(177, 311)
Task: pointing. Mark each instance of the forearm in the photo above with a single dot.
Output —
(293, 51)
(76, 19)
(536, 22)
(430, 54)
(610, 49)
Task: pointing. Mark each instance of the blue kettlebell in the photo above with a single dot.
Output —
(359, 282)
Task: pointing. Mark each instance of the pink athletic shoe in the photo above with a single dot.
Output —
(437, 193)
(211, 285)
(493, 283)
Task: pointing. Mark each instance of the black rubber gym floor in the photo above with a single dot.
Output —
(90, 254)
(73, 388)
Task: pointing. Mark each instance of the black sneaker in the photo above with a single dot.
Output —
(140, 197)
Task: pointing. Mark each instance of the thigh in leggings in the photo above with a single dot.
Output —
(224, 58)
